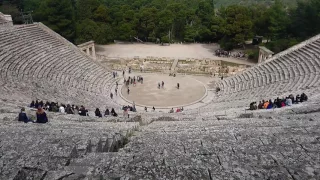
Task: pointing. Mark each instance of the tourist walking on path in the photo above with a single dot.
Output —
(178, 85)
(111, 95)
(116, 91)
(128, 90)
(162, 84)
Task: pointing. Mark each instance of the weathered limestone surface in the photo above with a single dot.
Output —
(36, 151)
(282, 146)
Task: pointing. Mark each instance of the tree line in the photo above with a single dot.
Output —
(173, 21)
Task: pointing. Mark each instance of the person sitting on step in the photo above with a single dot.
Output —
(23, 116)
(98, 113)
(288, 101)
(41, 116)
(113, 113)
(270, 105)
(298, 99)
(304, 97)
(107, 112)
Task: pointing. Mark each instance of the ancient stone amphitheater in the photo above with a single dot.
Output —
(217, 141)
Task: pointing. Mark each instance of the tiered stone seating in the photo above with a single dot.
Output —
(33, 54)
(54, 145)
(294, 70)
(270, 147)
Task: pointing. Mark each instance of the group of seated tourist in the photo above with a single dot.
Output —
(177, 111)
(129, 108)
(106, 113)
(279, 103)
(56, 107)
(40, 114)
(62, 108)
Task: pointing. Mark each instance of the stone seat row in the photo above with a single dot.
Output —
(29, 33)
(52, 146)
(294, 72)
(221, 144)
(288, 70)
(28, 52)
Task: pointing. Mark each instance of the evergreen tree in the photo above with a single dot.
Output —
(59, 16)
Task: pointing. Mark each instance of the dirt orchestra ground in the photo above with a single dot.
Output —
(148, 94)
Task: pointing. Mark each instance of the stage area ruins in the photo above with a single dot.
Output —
(173, 58)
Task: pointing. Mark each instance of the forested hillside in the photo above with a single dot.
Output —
(219, 3)
(174, 20)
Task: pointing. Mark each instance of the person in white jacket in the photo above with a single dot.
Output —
(61, 109)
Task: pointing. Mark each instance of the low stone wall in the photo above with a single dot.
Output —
(163, 64)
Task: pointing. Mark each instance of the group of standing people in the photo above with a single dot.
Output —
(133, 81)
(115, 74)
(161, 85)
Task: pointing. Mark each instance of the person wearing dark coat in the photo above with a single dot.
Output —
(41, 103)
(69, 109)
(32, 105)
(98, 113)
(113, 113)
(23, 116)
(304, 97)
(298, 98)
(83, 111)
(36, 104)
(41, 116)
(278, 102)
(107, 112)
(270, 105)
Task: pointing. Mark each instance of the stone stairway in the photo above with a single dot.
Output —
(174, 65)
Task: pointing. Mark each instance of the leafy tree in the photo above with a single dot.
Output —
(147, 22)
(58, 15)
(87, 30)
(232, 23)
(305, 19)
(236, 25)
(86, 9)
(277, 21)
(101, 14)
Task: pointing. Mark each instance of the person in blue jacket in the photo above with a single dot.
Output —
(23, 116)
